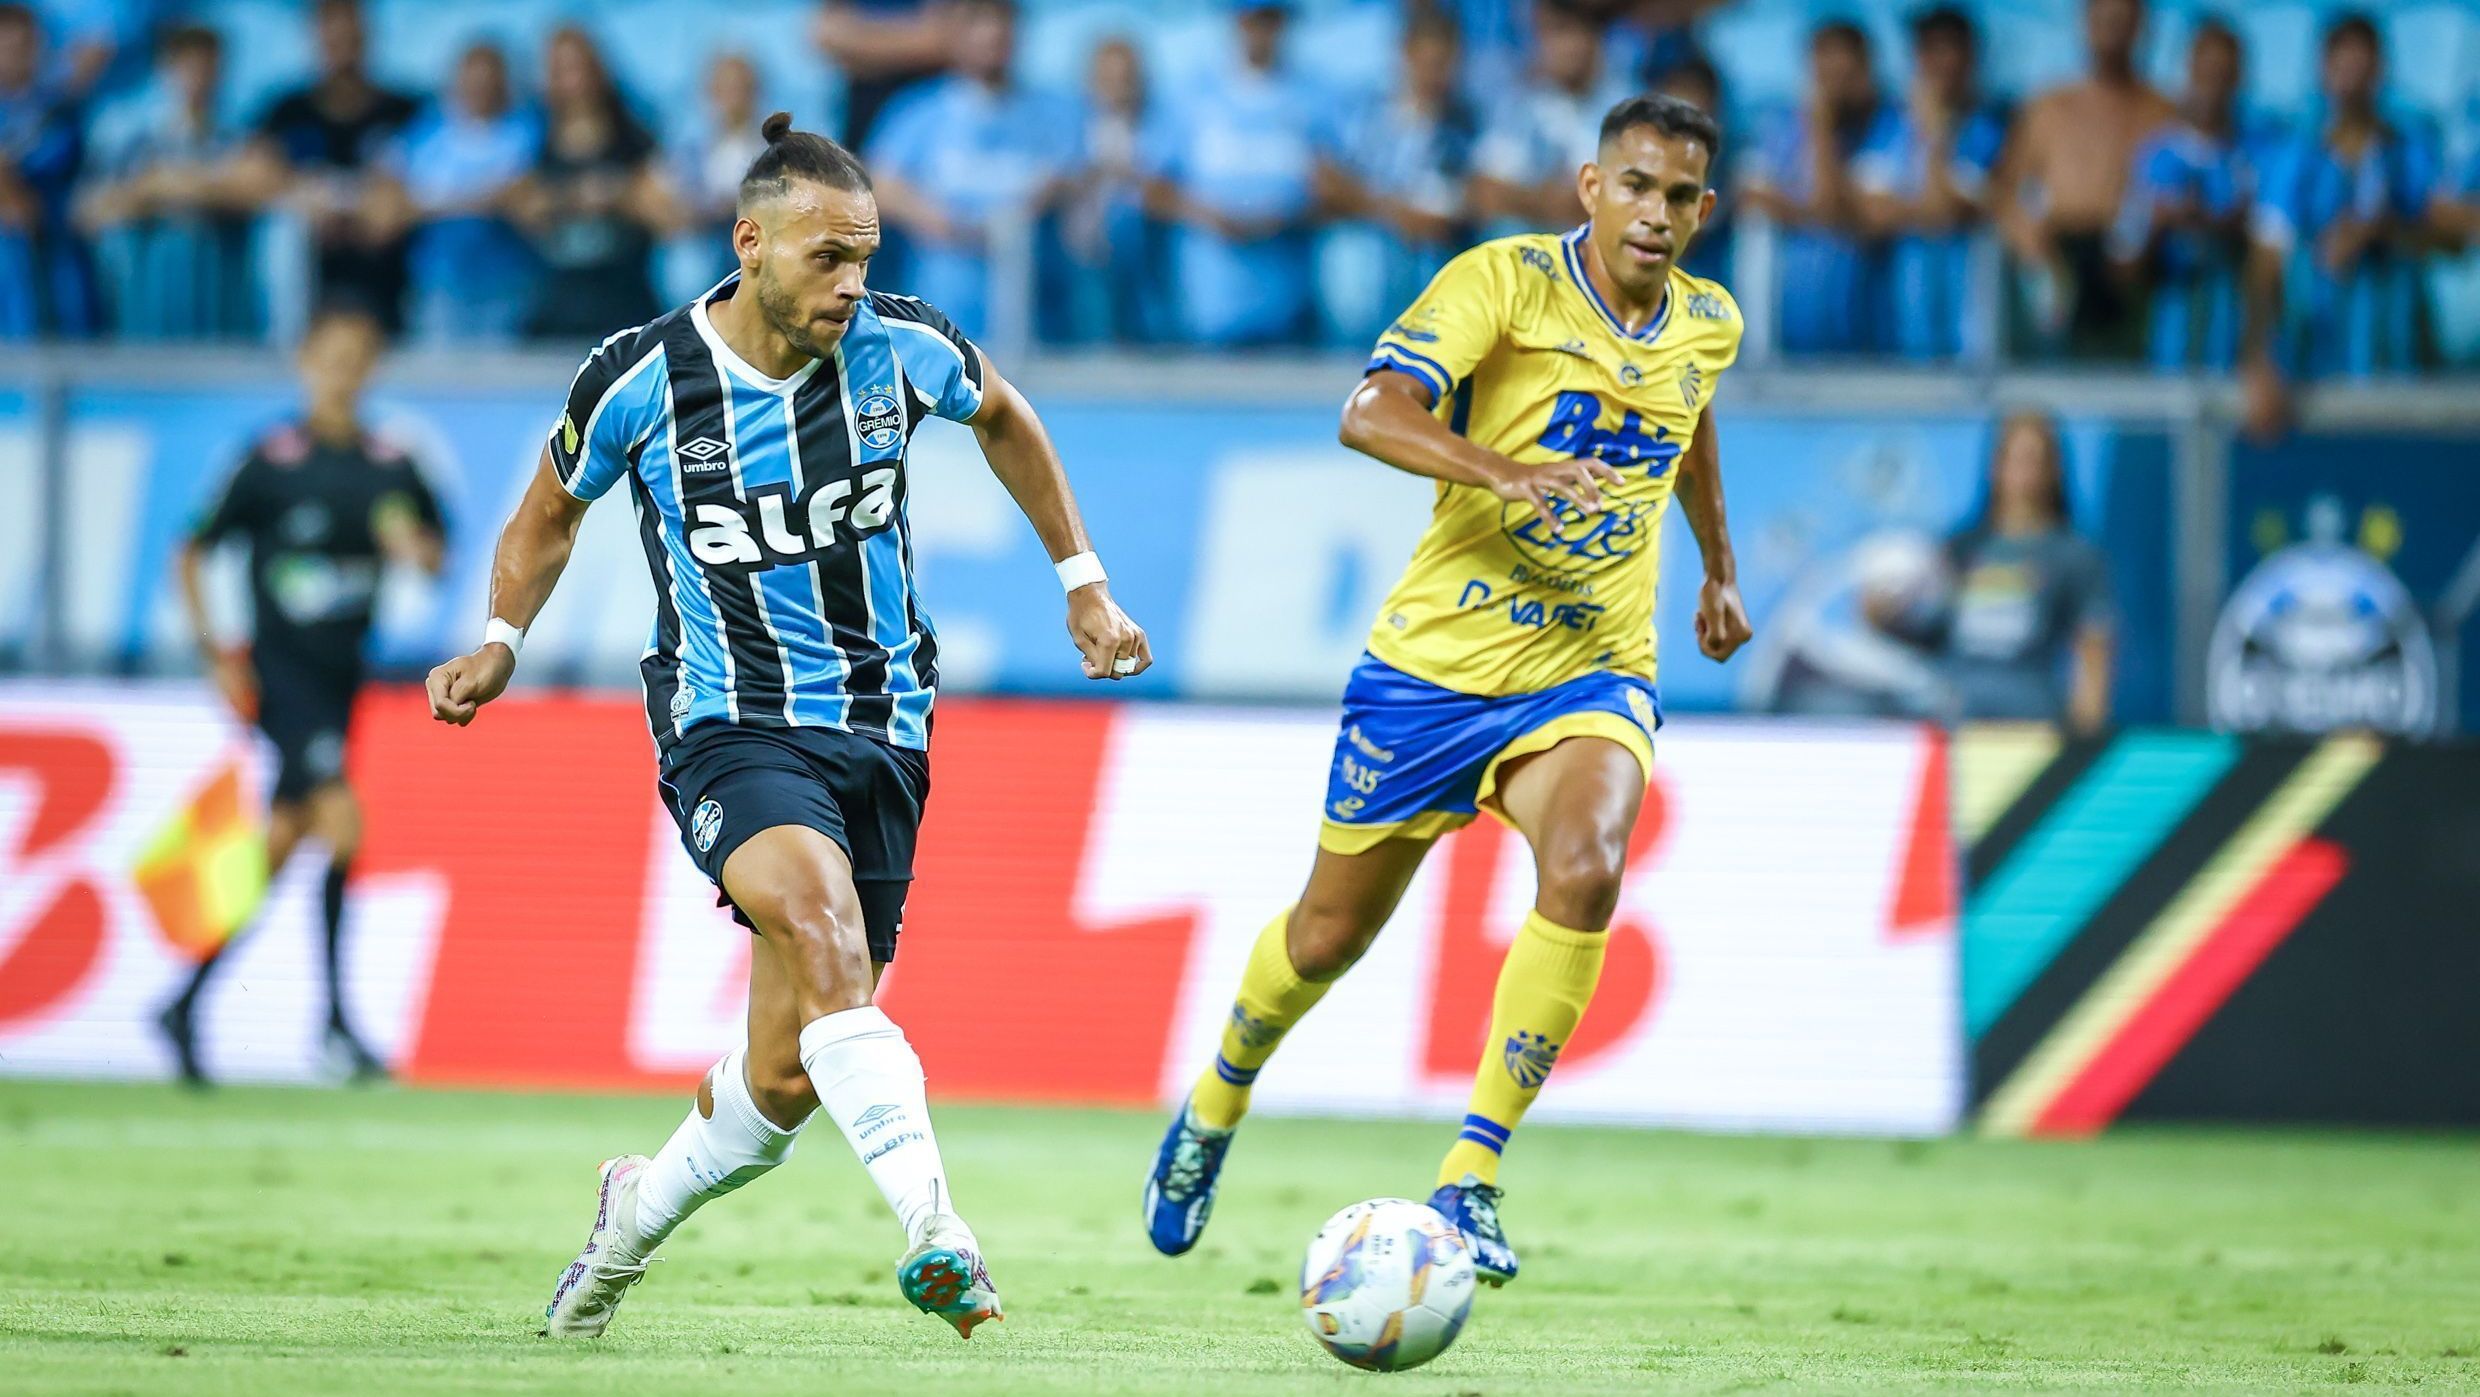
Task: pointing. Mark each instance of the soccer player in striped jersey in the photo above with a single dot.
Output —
(1560, 391)
(762, 432)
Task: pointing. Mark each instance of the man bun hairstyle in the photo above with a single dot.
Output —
(799, 155)
(1668, 116)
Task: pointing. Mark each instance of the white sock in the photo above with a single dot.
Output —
(709, 1156)
(870, 1082)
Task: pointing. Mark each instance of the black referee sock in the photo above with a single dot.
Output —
(331, 907)
(186, 1004)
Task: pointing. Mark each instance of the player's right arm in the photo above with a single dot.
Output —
(533, 552)
(588, 453)
(1437, 343)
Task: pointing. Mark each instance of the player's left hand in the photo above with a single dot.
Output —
(1114, 647)
(1721, 621)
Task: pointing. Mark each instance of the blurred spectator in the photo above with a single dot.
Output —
(314, 151)
(2182, 232)
(2061, 184)
(882, 47)
(1802, 178)
(1244, 163)
(1648, 38)
(708, 159)
(453, 176)
(2340, 220)
(594, 201)
(2455, 209)
(967, 160)
(1494, 34)
(2029, 631)
(1696, 81)
(166, 206)
(44, 286)
(1410, 154)
(1922, 182)
(1107, 236)
(1525, 168)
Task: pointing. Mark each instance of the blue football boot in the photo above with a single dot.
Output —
(1473, 1207)
(1179, 1195)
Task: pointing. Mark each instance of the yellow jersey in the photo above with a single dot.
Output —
(1527, 360)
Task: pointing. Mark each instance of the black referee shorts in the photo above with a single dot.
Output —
(725, 783)
(305, 707)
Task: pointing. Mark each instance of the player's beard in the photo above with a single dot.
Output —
(783, 316)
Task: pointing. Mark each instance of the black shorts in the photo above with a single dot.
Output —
(725, 783)
(305, 708)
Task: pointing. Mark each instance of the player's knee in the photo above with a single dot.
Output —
(1580, 881)
(286, 822)
(1325, 938)
(829, 954)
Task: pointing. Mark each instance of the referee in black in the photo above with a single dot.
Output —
(322, 504)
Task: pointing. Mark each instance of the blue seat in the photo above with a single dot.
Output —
(1761, 50)
(2454, 307)
(2431, 53)
(1055, 44)
(266, 49)
(1351, 48)
(660, 50)
(2282, 44)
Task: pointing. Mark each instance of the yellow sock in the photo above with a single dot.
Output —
(1543, 986)
(1272, 998)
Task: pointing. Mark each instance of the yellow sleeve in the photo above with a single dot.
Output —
(1453, 326)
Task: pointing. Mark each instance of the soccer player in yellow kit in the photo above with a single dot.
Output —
(1560, 390)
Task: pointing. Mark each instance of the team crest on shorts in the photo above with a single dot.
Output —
(1642, 707)
(877, 420)
(1530, 1056)
(706, 825)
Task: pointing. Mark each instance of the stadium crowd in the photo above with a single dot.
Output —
(1898, 199)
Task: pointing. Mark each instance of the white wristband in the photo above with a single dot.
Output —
(1083, 570)
(511, 636)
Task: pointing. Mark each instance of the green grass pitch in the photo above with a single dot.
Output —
(267, 1241)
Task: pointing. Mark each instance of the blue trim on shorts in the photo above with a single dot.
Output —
(1407, 747)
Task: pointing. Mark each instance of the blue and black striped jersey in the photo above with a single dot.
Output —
(773, 514)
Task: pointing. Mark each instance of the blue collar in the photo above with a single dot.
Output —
(1572, 246)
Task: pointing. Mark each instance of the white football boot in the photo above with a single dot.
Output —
(593, 1285)
(943, 1275)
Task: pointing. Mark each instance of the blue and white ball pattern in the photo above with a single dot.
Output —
(1387, 1284)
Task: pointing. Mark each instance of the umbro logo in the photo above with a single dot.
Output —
(876, 1119)
(705, 454)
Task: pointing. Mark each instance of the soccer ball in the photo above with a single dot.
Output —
(1387, 1284)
